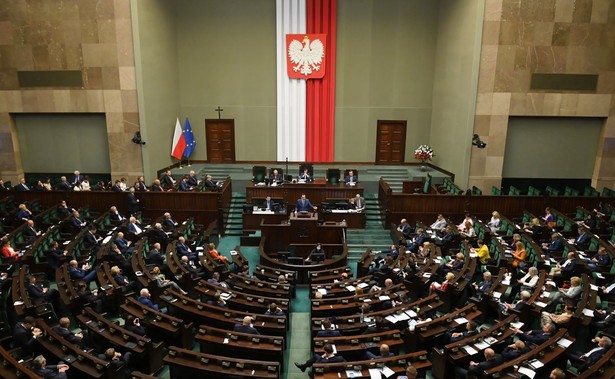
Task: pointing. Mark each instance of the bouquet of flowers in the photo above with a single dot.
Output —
(423, 153)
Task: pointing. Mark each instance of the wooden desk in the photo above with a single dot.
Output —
(185, 363)
(317, 192)
(302, 230)
(397, 363)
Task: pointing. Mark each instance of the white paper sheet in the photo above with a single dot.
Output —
(527, 372)
(470, 350)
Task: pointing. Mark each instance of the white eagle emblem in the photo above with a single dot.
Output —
(307, 56)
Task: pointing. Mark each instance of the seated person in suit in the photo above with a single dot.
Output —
(601, 261)
(328, 357)
(514, 350)
(439, 224)
(22, 186)
(63, 330)
(351, 178)
(93, 298)
(537, 336)
(215, 280)
(571, 294)
(117, 186)
(24, 214)
(316, 255)
(114, 215)
(154, 256)
(193, 270)
(454, 337)
(115, 358)
(116, 257)
(85, 273)
(55, 255)
(24, 337)
(192, 179)
(359, 202)
(210, 184)
(90, 239)
(305, 176)
(328, 330)
(404, 228)
(64, 210)
(39, 366)
(483, 254)
(78, 222)
(145, 299)
(304, 205)
(168, 223)
(184, 185)
(582, 240)
(217, 300)
(39, 186)
(583, 361)
(384, 353)
(555, 247)
(156, 186)
(64, 185)
(40, 294)
(158, 234)
(134, 226)
(274, 310)
(120, 279)
(475, 369)
(184, 249)
(418, 240)
(167, 180)
(133, 324)
(276, 177)
(123, 244)
(246, 326)
(481, 288)
(268, 204)
(565, 267)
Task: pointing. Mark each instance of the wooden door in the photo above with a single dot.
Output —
(220, 135)
(391, 142)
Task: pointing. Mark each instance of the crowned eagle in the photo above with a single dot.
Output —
(306, 56)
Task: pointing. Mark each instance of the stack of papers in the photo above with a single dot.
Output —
(527, 372)
(540, 304)
(564, 342)
(470, 350)
(384, 297)
(536, 364)
(481, 345)
(588, 312)
(461, 320)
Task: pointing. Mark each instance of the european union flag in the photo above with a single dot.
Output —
(189, 137)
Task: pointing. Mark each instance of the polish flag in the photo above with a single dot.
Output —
(179, 142)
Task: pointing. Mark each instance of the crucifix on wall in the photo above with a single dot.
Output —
(219, 110)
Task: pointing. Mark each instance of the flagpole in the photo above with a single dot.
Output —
(189, 162)
(180, 164)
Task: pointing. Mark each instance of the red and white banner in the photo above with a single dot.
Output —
(305, 55)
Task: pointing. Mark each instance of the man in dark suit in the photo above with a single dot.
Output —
(24, 336)
(454, 337)
(583, 361)
(31, 232)
(90, 239)
(184, 185)
(305, 176)
(537, 336)
(304, 205)
(268, 204)
(134, 227)
(168, 223)
(554, 247)
(418, 240)
(133, 202)
(64, 185)
(480, 288)
(145, 299)
(116, 187)
(114, 215)
(582, 240)
(328, 330)
(64, 210)
(385, 352)
(245, 326)
(327, 357)
(404, 228)
(192, 180)
(156, 187)
(514, 350)
(39, 365)
(210, 184)
(123, 244)
(40, 294)
(167, 180)
(159, 235)
(142, 185)
(77, 178)
(78, 222)
(115, 358)
(601, 261)
(276, 177)
(63, 330)
(194, 272)
(85, 273)
(351, 178)
(154, 256)
(22, 186)
(476, 369)
(2, 186)
(184, 250)
(55, 255)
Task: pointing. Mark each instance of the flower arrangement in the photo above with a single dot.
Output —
(423, 153)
